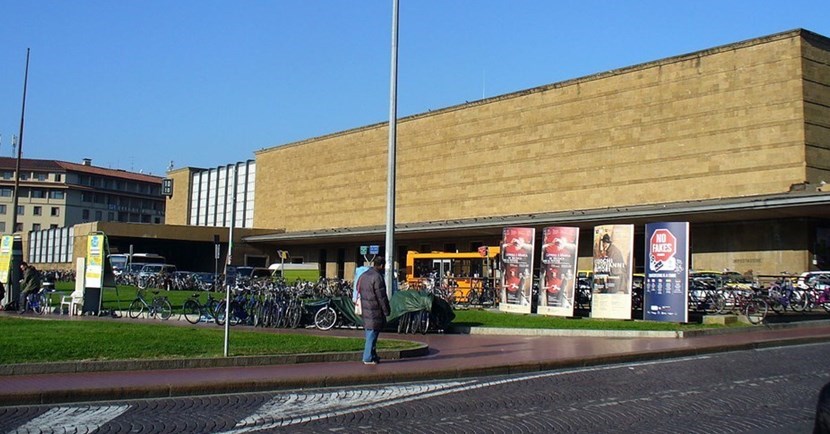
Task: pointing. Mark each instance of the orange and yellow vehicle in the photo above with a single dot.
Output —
(453, 273)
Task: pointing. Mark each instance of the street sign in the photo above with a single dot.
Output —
(374, 250)
(364, 250)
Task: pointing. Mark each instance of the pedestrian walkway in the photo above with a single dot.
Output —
(449, 356)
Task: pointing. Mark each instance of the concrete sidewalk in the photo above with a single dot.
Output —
(443, 356)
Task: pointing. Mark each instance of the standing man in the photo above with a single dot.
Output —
(375, 305)
(617, 267)
(30, 284)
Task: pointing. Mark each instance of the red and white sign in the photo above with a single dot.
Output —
(663, 245)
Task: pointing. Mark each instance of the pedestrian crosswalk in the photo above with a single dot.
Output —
(282, 410)
(81, 419)
(264, 413)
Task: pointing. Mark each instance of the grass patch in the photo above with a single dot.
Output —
(490, 318)
(125, 294)
(42, 340)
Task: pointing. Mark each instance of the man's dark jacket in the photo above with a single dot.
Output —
(373, 299)
(31, 280)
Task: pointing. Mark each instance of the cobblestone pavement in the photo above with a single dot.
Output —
(770, 390)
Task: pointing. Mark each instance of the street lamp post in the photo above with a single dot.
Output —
(390, 176)
(16, 194)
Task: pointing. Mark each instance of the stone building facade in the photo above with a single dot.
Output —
(734, 139)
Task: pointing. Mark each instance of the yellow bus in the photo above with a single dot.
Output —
(452, 273)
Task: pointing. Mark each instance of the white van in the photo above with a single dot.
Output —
(121, 261)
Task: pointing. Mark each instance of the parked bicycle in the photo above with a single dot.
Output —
(158, 306)
(194, 311)
(749, 303)
(330, 313)
(414, 322)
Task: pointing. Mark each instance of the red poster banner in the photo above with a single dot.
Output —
(517, 260)
(558, 270)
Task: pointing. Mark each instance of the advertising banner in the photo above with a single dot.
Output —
(613, 265)
(94, 261)
(666, 291)
(557, 277)
(5, 258)
(517, 261)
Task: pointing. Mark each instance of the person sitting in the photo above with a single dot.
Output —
(29, 285)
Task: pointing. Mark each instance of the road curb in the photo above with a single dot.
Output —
(207, 362)
(678, 334)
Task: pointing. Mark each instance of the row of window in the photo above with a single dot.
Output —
(19, 228)
(120, 185)
(36, 210)
(34, 193)
(90, 197)
(25, 176)
(89, 180)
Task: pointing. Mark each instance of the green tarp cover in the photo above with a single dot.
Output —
(401, 303)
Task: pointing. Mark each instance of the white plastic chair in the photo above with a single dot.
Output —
(73, 302)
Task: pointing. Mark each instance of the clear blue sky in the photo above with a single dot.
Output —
(136, 84)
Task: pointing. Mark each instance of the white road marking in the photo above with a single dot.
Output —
(294, 408)
(72, 419)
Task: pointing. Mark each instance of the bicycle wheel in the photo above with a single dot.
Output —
(776, 305)
(756, 310)
(192, 311)
(295, 315)
(210, 309)
(219, 313)
(325, 318)
(401, 323)
(424, 326)
(37, 304)
(164, 309)
(136, 308)
(798, 301)
(719, 303)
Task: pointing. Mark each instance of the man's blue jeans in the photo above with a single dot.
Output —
(370, 350)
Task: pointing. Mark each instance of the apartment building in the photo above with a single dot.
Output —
(57, 194)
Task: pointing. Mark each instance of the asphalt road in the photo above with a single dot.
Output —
(772, 390)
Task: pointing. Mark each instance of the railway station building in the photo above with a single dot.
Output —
(733, 139)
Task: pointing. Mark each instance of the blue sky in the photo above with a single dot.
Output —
(137, 84)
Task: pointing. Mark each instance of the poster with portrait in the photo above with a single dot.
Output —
(613, 265)
(557, 275)
(517, 273)
(666, 289)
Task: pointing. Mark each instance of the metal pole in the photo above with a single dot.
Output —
(390, 176)
(16, 194)
(230, 259)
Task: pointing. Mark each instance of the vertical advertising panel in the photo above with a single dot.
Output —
(5, 258)
(666, 291)
(94, 261)
(558, 271)
(517, 278)
(613, 266)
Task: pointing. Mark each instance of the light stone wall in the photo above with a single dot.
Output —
(725, 122)
(177, 208)
(817, 108)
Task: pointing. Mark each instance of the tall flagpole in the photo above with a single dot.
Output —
(16, 195)
(390, 177)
